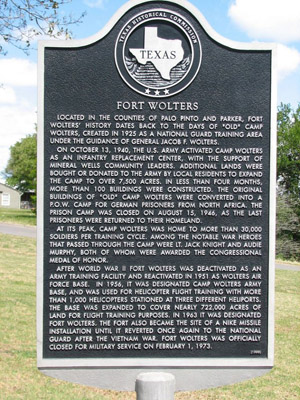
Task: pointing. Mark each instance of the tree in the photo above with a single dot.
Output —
(21, 21)
(287, 228)
(288, 178)
(288, 151)
(21, 168)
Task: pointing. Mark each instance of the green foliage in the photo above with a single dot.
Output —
(287, 228)
(20, 172)
(23, 20)
(288, 175)
(288, 151)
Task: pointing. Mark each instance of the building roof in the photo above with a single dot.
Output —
(9, 187)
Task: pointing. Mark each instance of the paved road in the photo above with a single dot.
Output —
(18, 230)
(288, 267)
(30, 231)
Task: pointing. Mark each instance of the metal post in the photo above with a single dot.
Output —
(155, 386)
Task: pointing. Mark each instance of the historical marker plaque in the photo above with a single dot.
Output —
(157, 202)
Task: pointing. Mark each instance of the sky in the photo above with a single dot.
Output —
(276, 21)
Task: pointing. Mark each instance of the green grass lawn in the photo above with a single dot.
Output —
(23, 217)
(20, 379)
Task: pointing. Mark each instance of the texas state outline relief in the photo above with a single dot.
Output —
(164, 54)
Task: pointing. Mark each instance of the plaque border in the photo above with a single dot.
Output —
(182, 363)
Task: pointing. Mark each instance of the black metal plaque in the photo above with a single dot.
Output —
(156, 194)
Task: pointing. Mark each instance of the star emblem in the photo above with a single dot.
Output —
(166, 91)
(156, 92)
(147, 91)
